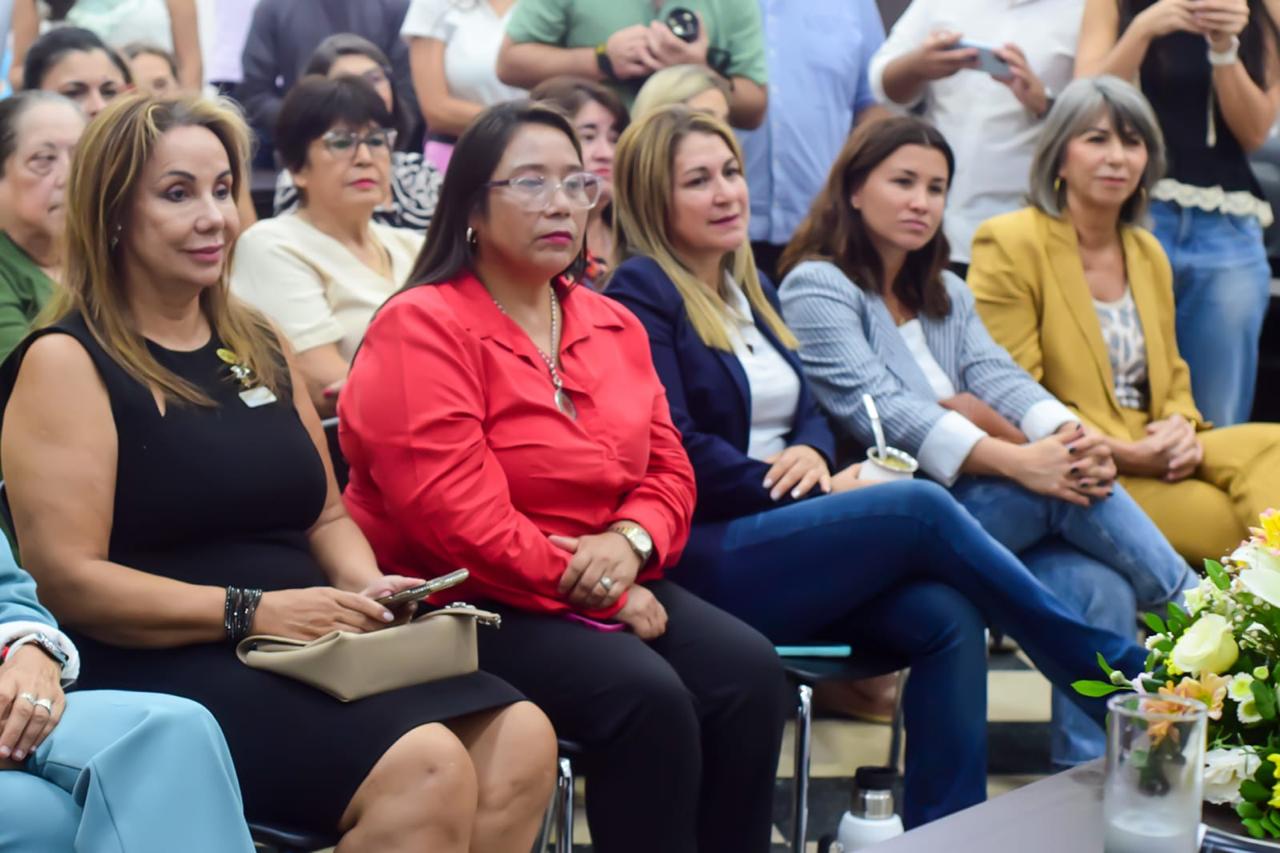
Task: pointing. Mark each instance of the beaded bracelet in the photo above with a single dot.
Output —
(241, 605)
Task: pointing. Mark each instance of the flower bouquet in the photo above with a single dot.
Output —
(1223, 649)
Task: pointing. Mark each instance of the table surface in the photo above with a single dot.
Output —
(1060, 814)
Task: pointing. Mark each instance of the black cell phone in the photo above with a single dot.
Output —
(683, 23)
(417, 593)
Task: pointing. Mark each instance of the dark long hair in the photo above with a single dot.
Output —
(834, 231)
(445, 253)
(52, 47)
(1259, 34)
(407, 126)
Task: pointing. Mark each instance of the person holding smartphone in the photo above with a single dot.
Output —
(935, 56)
(1211, 70)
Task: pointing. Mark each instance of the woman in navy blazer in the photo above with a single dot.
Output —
(801, 553)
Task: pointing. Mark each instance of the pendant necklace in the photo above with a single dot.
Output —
(561, 397)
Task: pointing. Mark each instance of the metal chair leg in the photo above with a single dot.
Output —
(895, 729)
(800, 790)
(548, 820)
(564, 792)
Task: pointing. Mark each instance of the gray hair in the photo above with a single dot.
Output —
(1074, 110)
(13, 108)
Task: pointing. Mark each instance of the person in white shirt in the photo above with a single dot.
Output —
(453, 53)
(321, 272)
(990, 121)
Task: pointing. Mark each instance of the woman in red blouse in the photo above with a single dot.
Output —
(498, 419)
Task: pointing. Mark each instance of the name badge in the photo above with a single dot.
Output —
(255, 397)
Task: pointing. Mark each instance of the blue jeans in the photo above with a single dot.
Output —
(1221, 285)
(1104, 562)
(126, 773)
(904, 568)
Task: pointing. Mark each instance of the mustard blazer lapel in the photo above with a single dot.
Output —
(1068, 270)
(1137, 267)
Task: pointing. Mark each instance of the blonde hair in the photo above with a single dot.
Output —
(101, 190)
(676, 84)
(643, 185)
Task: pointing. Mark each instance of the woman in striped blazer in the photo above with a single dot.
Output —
(1014, 456)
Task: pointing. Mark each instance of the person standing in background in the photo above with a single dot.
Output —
(1212, 73)
(169, 24)
(817, 61)
(453, 54)
(622, 42)
(991, 122)
(285, 33)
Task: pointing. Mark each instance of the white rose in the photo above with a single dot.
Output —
(1194, 600)
(1224, 770)
(1264, 583)
(1256, 556)
(1207, 646)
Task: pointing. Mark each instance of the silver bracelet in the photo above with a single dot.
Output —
(1230, 56)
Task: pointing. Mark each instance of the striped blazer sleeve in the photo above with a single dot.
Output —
(989, 373)
(826, 311)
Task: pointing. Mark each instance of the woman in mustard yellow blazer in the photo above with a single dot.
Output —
(1082, 297)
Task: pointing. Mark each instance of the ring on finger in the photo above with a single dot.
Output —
(30, 697)
(47, 704)
(606, 582)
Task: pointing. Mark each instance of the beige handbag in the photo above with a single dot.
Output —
(438, 645)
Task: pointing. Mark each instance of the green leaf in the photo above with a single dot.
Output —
(1254, 792)
(1094, 688)
(1154, 622)
(1165, 646)
(1178, 618)
(1269, 824)
(1266, 774)
(1265, 695)
(1254, 827)
(1217, 574)
(1102, 663)
(1249, 810)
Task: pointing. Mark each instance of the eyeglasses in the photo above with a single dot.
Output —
(345, 142)
(535, 192)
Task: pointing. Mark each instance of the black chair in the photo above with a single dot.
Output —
(290, 841)
(341, 471)
(805, 671)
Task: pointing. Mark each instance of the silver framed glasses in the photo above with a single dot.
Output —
(343, 143)
(535, 192)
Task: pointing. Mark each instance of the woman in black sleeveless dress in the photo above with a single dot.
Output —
(196, 496)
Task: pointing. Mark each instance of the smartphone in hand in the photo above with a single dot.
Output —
(431, 587)
(987, 59)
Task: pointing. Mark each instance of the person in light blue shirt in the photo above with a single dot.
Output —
(101, 771)
(817, 54)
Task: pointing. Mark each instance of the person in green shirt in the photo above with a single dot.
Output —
(38, 130)
(622, 42)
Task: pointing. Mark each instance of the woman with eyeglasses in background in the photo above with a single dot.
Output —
(415, 183)
(38, 131)
(320, 272)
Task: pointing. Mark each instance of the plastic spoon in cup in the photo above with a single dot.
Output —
(881, 446)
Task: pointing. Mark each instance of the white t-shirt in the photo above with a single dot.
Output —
(774, 386)
(311, 285)
(913, 335)
(472, 34)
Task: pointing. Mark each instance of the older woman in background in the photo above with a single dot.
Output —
(1082, 297)
(415, 182)
(598, 117)
(695, 86)
(319, 273)
(38, 131)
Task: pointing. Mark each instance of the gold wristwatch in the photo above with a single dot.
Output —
(637, 537)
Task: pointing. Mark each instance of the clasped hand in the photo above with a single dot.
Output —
(1170, 450)
(599, 555)
(26, 673)
(1074, 465)
(306, 614)
(1216, 20)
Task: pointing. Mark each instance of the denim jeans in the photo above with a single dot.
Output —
(1104, 561)
(903, 568)
(1221, 286)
